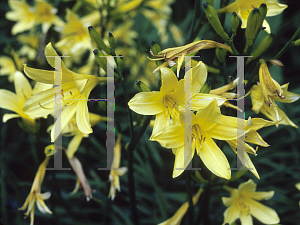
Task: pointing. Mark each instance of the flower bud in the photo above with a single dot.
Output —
(221, 54)
(100, 59)
(111, 41)
(214, 20)
(95, 36)
(235, 22)
(262, 47)
(206, 87)
(120, 63)
(141, 87)
(297, 42)
(155, 48)
(253, 24)
(263, 11)
(276, 62)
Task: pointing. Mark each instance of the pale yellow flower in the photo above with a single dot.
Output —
(176, 219)
(242, 204)
(35, 195)
(8, 65)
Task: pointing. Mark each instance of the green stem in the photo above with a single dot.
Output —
(190, 196)
(231, 44)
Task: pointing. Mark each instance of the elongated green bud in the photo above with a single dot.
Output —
(141, 87)
(263, 11)
(155, 48)
(261, 48)
(253, 24)
(95, 36)
(214, 20)
(100, 59)
(111, 41)
(297, 42)
(120, 63)
(206, 87)
(221, 54)
(235, 22)
(210, 2)
(212, 70)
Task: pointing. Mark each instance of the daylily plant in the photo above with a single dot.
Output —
(242, 204)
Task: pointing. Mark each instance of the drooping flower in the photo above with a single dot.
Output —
(15, 102)
(115, 170)
(35, 195)
(242, 204)
(176, 219)
(75, 90)
(243, 8)
(164, 103)
(208, 123)
(268, 91)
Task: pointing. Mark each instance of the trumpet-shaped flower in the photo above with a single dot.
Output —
(178, 53)
(15, 102)
(115, 170)
(208, 123)
(75, 90)
(176, 219)
(244, 7)
(35, 195)
(265, 94)
(242, 204)
(164, 103)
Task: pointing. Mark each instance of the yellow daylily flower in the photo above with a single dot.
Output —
(208, 123)
(176, 219)
(244, 7)
(251, 136)
(8, 65)
(27, 17)
(15, 102)
(242, 204)
(273, 112)
(115, 170)
(35, 195)
(164, 103)
(30, 44)
(178, 53)
(75, 36)
(75, 90)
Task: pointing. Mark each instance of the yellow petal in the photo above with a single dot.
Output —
(10, 101)
(74, 144)
(201, 100)
(231, 214)
(95, 118)
(162, 120)
(254, 138)
(267, 26)
(9, 116)
(208, 117)
(43, 76)
(257, 98)
(246, 219)
(168, 80)
(289, 96)
(171, 136)
(41, 104)
(262, 195)
(263, 213)
(22, 86)
(183, 157)
(147, 103)
(274, 8)
(223, 132)
(214, 159)
(82, 117)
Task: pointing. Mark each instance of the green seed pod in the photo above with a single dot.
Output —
(95, 36)
(297, 42)
(253, 24)
(235, 22)
(111, 41)
(221, 54)
(141, 87)
(214, 20)
(100, 59)
(120, 63)
(206, 87)
(261, 48)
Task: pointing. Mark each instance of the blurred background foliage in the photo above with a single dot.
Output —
(158, 194)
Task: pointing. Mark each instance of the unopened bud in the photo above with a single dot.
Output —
(297, 42)
(263, 11)
(100, 59)
(214, 20)
(262, 47)
(141, 86)
(95, 36)
(276, 62)
(253, 24)
(206, 87)
(235, 22)
(111, 41)
(155, 48)
(221, 54)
